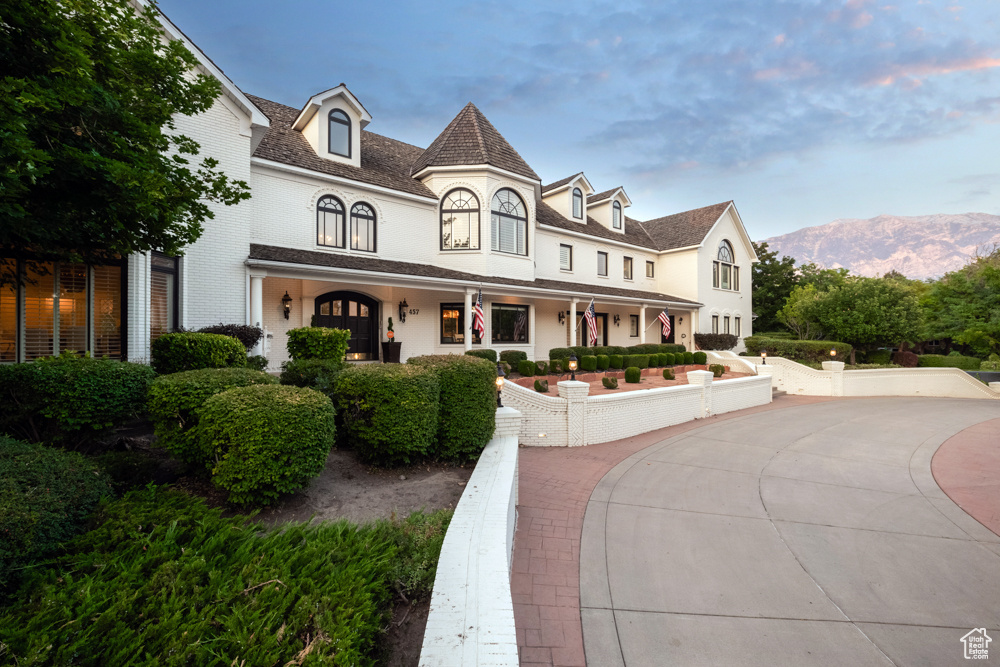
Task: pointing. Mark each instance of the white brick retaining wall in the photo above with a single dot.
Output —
(471, 619)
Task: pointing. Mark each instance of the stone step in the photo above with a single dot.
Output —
(778, 392)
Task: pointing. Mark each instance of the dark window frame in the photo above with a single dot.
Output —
(343, 221)
(374, 221)
(628, 269)
(496, 308)
(342, 119)
(578, 203)
(175, 271)
(605, 255)
(616, 214)
(715, 324)
(650, 269)
(460, 307)
(522, 223)
(479, 220)
(570, 248)
(633, 325)
(738, 330)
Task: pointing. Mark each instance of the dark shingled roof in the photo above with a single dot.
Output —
(601, 196)
(681, 230)
(360, 263)
(561, 182)
(471, 139)
(385, 162)
(633, 232)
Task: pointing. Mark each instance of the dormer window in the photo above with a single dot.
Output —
(340, 133)
(616, 215)
(578, 203)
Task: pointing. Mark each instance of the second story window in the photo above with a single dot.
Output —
(508, 223)
(649, 269)
(725, 274)
(330, 222)
(340, 133)
(565, 257)
(578, 203)
(362, 227)
(460, 221)
(628, 268)
(616, 215)
(602, 263)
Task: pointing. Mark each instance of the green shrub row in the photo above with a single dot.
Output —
(187, 351)
(164, 580)
(70, 399)
(526, 368)
(715, 341)
(990, 365)
(318, 343)
(637, 361)
(488, 355)
(512, 357)
(798, 350)
(949, 361)
(609, 350)
(588, 363)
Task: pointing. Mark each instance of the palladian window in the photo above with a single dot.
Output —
(340, 133)
(725, 274)
(577, 203)
(509, 223)
(362, 227)
(460, 221)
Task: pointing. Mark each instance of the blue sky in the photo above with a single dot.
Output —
(802, 112)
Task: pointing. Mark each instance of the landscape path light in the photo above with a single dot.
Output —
(572, 367)
(833, 354)
(499, 381)
(763, 356)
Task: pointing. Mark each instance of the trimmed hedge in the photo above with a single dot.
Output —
(637, 360)
(715, 341)
(688, 358)
(266, 440)
(950, 361)
(318, 343)
(603, 362)
(668, 374)
(513, 357)
(70, 399)
(541, 368)
(388, 412)
(556, 366)
(588, 363)
(798, 350)
(717, 370)
(672, 348)
(616, 361)
(526, 368)
(175, 402)
(668, 358)
(559, 353)
(468, 403)
(316, 373)
(45, 497)
(609, 383)
(633, 375)
(247, 334)
(489, 355)
(542, 386)
(699, 357)
(645, 348)
(188, 351)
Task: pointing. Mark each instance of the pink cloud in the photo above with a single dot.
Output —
(917, 70)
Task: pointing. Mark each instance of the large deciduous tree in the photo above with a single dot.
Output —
(90, 164)
(774, 278)
(964, 305)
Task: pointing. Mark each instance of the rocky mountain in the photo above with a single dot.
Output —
(919, 247)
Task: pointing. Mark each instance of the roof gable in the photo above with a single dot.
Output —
(470, 139)
(686, 229)
(317, 100)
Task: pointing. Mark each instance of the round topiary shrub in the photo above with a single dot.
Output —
(175, 401)
(699, 358)
(526, 368)
(609, 383)
(45, 497)
(315, 373)
(588, 363)
(541, 367)
(603, 362)
(688, 357)
(616, 361)
(637, 360)
(188, 351)
(388, 412)
(318, 343)
(633, 375)
(266, 440)
(512, 357)
(717, 370)
(542, 386)
(668, 374)
(668, 358)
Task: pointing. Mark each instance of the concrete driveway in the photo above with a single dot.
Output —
(814, 535)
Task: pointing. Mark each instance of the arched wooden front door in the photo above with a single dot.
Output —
(355, 312)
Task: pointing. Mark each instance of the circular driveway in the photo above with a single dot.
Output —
(814, 535)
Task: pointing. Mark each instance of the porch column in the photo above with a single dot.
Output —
(468, 320)
(572, 322)
(257, 307)
(308, 309)
(642, 324)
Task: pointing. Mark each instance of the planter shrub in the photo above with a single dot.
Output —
(616, 361)
(316, 373)
(715, 341)
(610, 383)
(45, 497)
(70, 399)
(388, 412)
(668, 374)
(798, 350)
(717, 370)
(188, 351)
(637, 360)
(488, 355)
(906, 359)
(176, 399)
(542, 386)
(559, 353)
(949, 361)
(247, 334)
(699, 358)
(633, 375)
(588, 363)
(512, 357)
(603, 362)
(526, 368)
(265, 440)
(467, 405)
(318, 343)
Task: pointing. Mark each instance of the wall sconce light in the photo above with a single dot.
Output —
(763, 356)
(572, 367)
(618, 320)
(286, 304)
(402, 310)
(680, 320)
(562, 317)
(499, 381)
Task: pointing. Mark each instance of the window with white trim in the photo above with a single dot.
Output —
(509, 223)
(736, 323)
(715, 324)
(602, 263)
(578, 203)
(616, 215)
(460, 221)
(565, 257)
(627, 268)
(725, 274)
(649, 269)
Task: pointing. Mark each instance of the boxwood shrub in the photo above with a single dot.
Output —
(588, 363)
(247, 334)
(668, 374)
(541, 367)
(603, 362)
(645, 348)
(559, 353)
(318, 343)
(70, 399)
(526, 368)
(265, 440)
(468, 404)
(188, 351)
(715, 341)
(798, 350)
(175, 401)
(542, 386)
(616, 361)
(315, 373)
(949, 361)
(668, 358)
(633, 375)
(609, 383)
(699, 357)
(990, 365)
(672, 347)
(45, 497)
(512, 357)
(556, 366)
(489, 355)
(689, 357)
(388, 412)
(717, 370)
(637, 360)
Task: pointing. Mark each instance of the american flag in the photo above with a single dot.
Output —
(478, 319)
(520, 326)
(591, 318)
(665, 318)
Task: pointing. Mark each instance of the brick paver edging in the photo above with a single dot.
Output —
(554, 487)
(967, 468)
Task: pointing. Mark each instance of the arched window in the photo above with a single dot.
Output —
(577, 203)
(725, 274)
(362, 227)
(340, 133)
(509, 223)
(330, 222)
(616, 215)
(460, 221)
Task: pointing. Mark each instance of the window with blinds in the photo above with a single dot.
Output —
(602, 263)
(565, 257)
(8, 312)
(107, 311)
(162, 296)
(40, 326)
